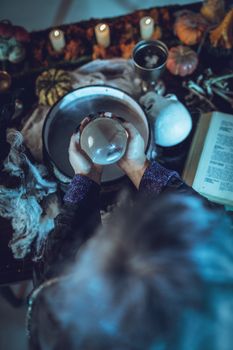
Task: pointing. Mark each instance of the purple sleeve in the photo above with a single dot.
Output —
(156, 178)
(81, 188)
(76, 223)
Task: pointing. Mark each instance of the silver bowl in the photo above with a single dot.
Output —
(64, 117)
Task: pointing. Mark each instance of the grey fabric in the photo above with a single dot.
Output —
(22, 205)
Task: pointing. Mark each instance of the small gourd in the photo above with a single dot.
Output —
(182, 60)
(51, 85)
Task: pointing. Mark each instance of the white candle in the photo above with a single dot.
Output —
(102, 33)
(57, 39)
(146, 27)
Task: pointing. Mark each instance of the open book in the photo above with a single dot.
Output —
(209, 166)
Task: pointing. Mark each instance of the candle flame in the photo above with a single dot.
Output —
(102, 27)
(56, 33)
(148, 21)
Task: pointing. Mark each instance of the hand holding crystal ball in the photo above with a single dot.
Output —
(104, 139)
(107, 139)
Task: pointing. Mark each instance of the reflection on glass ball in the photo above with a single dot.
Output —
(104, 140)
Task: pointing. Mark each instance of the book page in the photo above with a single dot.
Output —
(214, 175)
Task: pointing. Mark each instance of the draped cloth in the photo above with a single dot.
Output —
(31, 205)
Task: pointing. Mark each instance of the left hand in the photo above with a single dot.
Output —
(80, 161)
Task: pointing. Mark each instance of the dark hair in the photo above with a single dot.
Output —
(157, 273)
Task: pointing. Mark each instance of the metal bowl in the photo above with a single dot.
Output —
(64, 117)
(150, 74)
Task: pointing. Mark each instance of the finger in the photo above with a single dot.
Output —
(76, 146)
(74, 141)
(84, 122)
(72, 144)
(132, 131)
(75, 149)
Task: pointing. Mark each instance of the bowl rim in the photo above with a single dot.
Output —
(46, 153)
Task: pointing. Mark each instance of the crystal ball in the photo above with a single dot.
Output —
(104, 140)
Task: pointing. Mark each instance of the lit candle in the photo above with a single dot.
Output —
(146, 27)
(57, 39)
(102, 33)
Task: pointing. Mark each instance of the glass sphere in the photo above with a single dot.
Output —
(104, 140)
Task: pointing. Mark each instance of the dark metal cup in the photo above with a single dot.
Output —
(141, 51)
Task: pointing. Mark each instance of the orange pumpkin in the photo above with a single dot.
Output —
(190, 26)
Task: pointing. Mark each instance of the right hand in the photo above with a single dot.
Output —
(134, 161)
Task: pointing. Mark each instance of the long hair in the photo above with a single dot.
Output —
(160, 272)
